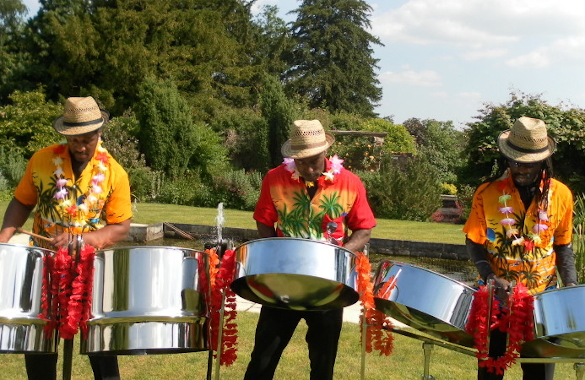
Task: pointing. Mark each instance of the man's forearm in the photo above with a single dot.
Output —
(358, 239)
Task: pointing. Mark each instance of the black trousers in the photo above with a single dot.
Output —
(530, 371)
(44, 366)
(274, 331)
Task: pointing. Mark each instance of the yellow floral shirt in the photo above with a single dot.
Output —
(519, 241)
(100, 196)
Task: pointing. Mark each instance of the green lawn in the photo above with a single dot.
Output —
(386, 229)
(149, 213)
(406, 361)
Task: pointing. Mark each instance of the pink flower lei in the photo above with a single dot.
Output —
(335, 165)
(518, 238)
(68, 206)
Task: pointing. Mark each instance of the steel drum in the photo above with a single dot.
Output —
(424, 300)
(297, 274)
(559, 324)
(148, 300)
(21, 287)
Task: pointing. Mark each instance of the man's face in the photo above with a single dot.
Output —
(82, 147)
(525, 174)
(312, 167)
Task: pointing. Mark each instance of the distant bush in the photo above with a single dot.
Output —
(237, 189)
(404, 191)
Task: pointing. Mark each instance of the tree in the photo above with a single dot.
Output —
(12, 14)
(167, 134)
(169, 138)
(279, 114)
(26, 124)
(565, 124)
(441, 143)
(196, 44)
(331, 63)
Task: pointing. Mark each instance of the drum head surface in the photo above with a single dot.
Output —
(297, 274)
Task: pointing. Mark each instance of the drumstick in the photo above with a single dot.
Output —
(33, 234)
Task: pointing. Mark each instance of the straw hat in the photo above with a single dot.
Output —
(80, 116)
(307, 139)
(527, 141)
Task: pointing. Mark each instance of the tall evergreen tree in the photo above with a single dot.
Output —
(279, 114)
(332, 62)
(12, 14)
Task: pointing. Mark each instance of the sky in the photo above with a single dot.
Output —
(445, 60)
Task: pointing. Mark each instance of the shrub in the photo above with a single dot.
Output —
(237, 189)
(404, 191)
(579, 236)
(12, 167)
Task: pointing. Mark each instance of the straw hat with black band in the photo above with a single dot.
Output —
(527, 141)
(81, 115)
(307, 139)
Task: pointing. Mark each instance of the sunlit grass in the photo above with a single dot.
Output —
(149, 213)
(406, 361)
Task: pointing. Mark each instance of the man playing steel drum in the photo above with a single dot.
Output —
(78, 189)
(311, 197)
(520, 227)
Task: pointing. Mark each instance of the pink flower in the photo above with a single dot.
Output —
(61, 182)
(508, 221)
(506, 210)
(542, 215)
(537, 228)
(336, 164)
(61, 194)
(290, 164)
(98, 178)
(96, 189)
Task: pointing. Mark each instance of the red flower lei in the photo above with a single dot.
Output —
(378, 325)
(70, 286)
(220, 281)
(516, 321)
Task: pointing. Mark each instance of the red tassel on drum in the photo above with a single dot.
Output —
(222, 279)
(70, 286)
(378, 324)
(516, 321)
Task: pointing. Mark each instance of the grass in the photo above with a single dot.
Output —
(406, 362)
(148, 213)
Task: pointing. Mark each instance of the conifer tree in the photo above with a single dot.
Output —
(332, 62)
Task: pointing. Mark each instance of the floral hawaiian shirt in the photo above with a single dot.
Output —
(519, 241)
(100, 196)
(339, 203)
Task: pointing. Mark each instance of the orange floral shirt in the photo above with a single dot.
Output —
(520, 242)
(100, 196)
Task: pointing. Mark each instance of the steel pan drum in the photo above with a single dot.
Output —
(424, 300)
(298, 274)
(148, 300)
(21, 283)
(559, 323)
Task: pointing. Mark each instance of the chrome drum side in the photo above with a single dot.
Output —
(21, 287)
(297, 274)
(424, 300)
(559, 323)
(148, 300)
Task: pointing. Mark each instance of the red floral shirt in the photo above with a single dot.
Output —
(340, 203)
